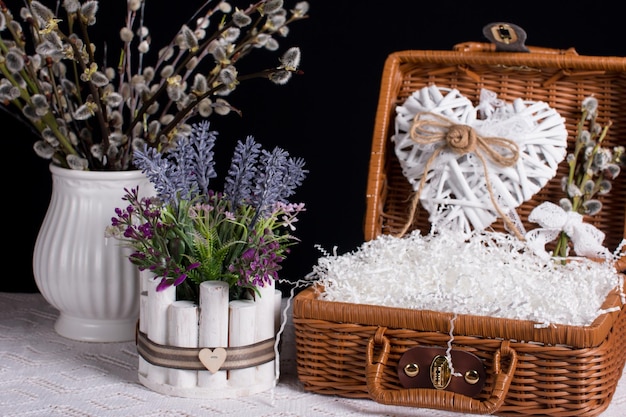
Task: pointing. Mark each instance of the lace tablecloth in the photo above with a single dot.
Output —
(44, 374)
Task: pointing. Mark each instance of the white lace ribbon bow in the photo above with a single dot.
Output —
(587, 239)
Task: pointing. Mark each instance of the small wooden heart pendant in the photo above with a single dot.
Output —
(212, 359)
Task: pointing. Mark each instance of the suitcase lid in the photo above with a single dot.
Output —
(560, 78)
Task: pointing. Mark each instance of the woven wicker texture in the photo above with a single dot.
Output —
(560, 371)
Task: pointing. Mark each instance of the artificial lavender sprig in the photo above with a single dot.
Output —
(159, 171)
(278, 178)
(185, 172)
(293, 178)
(239, 181)
(202, 164)
(267, 187)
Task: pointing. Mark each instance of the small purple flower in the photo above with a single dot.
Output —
(180, 279)
(163, 285)
(146, 230)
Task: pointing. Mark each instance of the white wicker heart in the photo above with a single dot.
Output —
(468, 191)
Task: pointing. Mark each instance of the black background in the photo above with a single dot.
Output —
(325, 115)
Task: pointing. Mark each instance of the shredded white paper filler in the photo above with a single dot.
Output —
(489, 274)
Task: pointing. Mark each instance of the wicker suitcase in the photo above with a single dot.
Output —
(355, 350)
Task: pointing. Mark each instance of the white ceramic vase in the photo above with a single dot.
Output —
(84, 275)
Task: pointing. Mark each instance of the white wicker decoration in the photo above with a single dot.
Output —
(455, 191)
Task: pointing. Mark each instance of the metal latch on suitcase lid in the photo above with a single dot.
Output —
(507, 37)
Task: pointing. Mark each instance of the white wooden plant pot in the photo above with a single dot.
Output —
(217, 349)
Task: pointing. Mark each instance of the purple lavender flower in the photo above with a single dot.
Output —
(269, 180)
(158, 169)
(202, 163)
(185, 171)
(239, 182)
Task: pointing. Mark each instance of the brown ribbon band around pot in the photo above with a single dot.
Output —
(189, 358)
(428, 367)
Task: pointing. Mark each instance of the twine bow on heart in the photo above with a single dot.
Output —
(587, 239)
(433, 129)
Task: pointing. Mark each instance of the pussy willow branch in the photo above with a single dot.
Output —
(237, 54)
(187, 109)
(29, 78)
(100, 109)
(139, 115)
